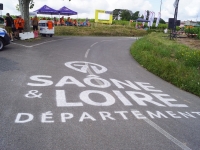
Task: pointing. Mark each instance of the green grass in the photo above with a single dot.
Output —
(173, 62)
(99, 30)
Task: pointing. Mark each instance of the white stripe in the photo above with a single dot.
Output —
(89, 71)
(86, 54)
(50, 41)
(91, 74)
(40, 43)
(167, 135)
(93, 44)
(21, 45)
(135, 38)
(106, 40)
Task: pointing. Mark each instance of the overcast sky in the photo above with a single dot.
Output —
(188, 9)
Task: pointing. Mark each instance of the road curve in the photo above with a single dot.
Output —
(89, 93)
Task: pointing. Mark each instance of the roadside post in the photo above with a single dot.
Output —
(175, 19)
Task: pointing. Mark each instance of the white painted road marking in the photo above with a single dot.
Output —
(94, 44)
(166, 134)
(106, 40)
(40, 43)
(81, 66)
(90, 72)
(21, 45)
(86, 54)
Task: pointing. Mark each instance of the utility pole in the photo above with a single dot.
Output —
(175, 14)
(160, 7)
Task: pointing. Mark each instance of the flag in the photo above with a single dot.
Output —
(158, 19)
(150, 16)
(175, 3)
(145, 16)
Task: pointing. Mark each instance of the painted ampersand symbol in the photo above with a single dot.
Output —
(33, 94)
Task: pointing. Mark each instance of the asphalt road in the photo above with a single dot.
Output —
(88, 93)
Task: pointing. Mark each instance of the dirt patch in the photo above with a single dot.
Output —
(190, 42)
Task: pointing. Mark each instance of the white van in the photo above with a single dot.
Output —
(43, 28)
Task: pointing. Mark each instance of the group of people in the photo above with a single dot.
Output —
(14, 26)
(140, 26)
(35, 23)
(70, 22)
(63, 22)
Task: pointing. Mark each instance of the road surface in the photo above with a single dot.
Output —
(88, 93)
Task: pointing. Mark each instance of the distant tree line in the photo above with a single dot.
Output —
(126, 15)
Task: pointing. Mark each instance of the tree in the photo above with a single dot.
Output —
(24, 6)
(24, 9)
(125, 15)
(162, 21)
(31, 5)
(116, 14)
(135, 15)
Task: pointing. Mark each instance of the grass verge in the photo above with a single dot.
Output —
(100, 30)
(173, 62)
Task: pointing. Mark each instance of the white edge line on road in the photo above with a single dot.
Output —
(86, 54)
(187, 101)
(40, 43)
(122, 39)
(93, 44)
(21, 45)
(166, 134)
(50, 41)
(135, 38)
(106, 40)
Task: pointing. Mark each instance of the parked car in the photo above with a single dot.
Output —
(4, 38)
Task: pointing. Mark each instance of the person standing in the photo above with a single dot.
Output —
(75, 22)
(55, 21)
(35, 22)
(49, 24)
(16, 27)
(21, 24)
(9, 24)
(62, 21)
(68, 21)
